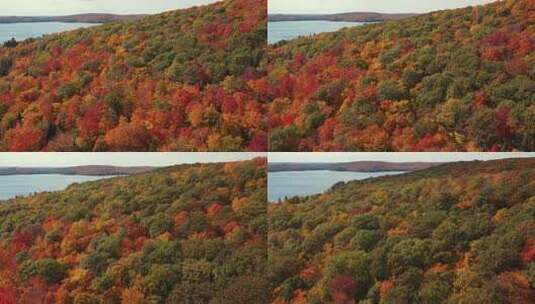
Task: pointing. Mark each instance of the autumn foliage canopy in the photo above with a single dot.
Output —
(455, 80)
(456, 233)
(185, 234)
(183, 80)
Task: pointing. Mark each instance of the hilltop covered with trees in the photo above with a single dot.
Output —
(183, 80)
(458, 233)
(185, 234)
(459, 79)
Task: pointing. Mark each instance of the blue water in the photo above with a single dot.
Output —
(287, 30)
(303, 183)
(18, 185)
(21, 31)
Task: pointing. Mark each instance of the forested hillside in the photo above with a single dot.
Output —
(183, 80)
(458, 233)
(76, 170)
(185, 234)
(357, 166)
(461, 80)
(89, 18)
(349, 17)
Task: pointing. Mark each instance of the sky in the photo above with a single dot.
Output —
(168, 159)
(390, 157)
(382, 6)
(68, 7)
(117, 159)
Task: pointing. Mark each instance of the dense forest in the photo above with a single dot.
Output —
(185, 234)
(455, 80)
(185, 80)
(458, 233)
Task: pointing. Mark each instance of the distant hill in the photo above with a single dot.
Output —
(456, 233)
(87, 18)
(77, 170)
(350, 17)
(361, 166)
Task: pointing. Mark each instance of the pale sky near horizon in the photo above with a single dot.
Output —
(69, 7)
(390, 157)
(30, 159)
(382, 6)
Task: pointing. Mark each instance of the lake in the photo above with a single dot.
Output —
(303, 183)
(21, 31)
(15, 185)
(287, 30)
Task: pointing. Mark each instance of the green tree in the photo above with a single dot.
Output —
(51, 270)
